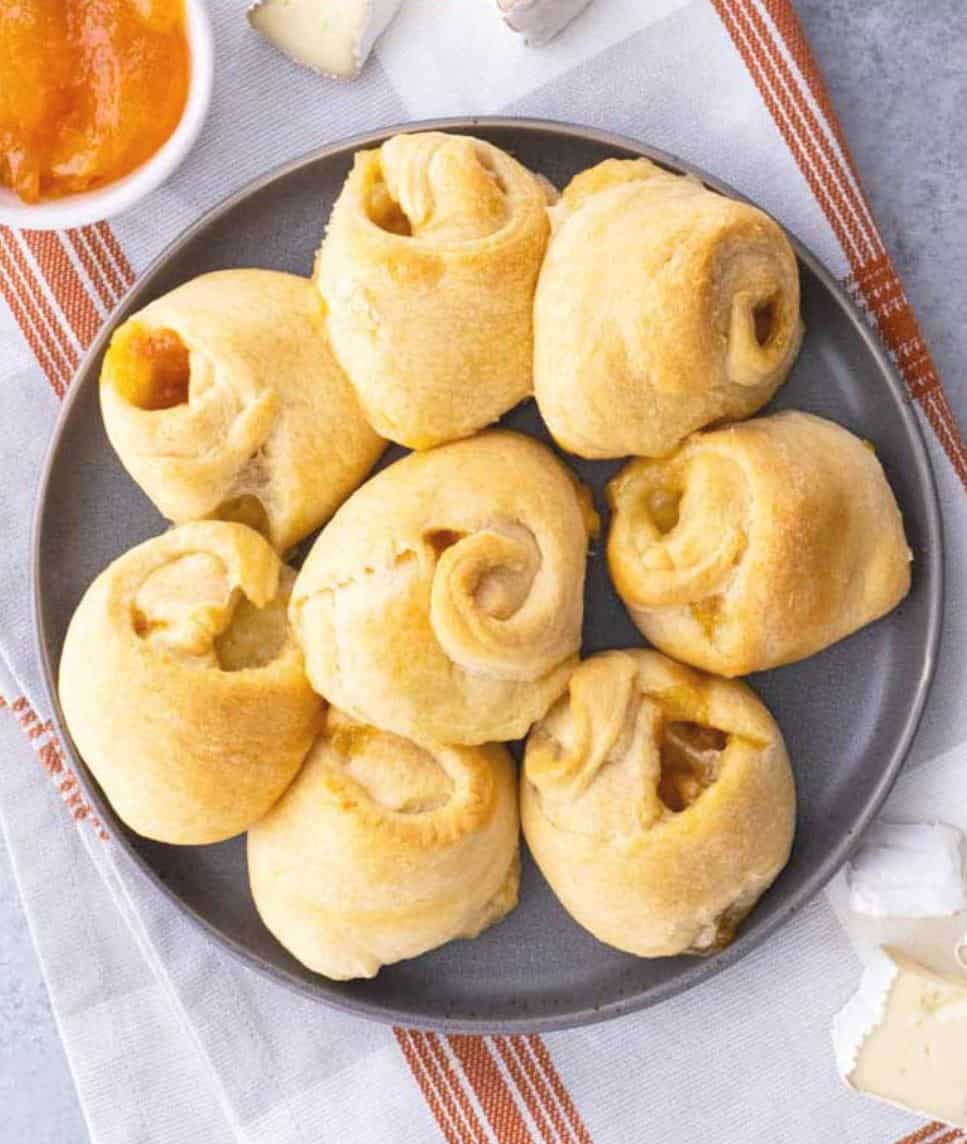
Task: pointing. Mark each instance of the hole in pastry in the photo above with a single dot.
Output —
(438, 540)
(690, 755)
(764, 318)
(663, 508)
(152, 369)
(386, 212)
(246, 509)
(255, 636)
(394, 772)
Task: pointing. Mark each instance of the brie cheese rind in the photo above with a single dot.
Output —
(908, 870)
(903, 1038)
(333, 37)
(539, 20)
(863, 1012)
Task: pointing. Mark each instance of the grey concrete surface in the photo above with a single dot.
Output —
(897, 71)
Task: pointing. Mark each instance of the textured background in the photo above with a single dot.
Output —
(896, 72)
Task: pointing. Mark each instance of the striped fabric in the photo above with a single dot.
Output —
(771, 43)
(169, 1040)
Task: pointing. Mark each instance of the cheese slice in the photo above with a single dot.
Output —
(903, 1038)
(333, 37)
(539, 20)
(908, 870)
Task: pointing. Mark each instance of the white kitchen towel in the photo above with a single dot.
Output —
(171, 1040)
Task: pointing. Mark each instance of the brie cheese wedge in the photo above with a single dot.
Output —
(539, 20)
(903, 1038)
(908, 870)
(333, 37)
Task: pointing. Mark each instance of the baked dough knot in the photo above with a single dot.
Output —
(757, 544)
(183, 687)
(428, 268)
(658, 802)
(661, 307)
(444, 600)
(223, 400)
(382, 850)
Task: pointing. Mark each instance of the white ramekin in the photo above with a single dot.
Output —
(118, 196)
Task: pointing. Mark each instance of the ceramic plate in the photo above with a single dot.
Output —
(848, 714)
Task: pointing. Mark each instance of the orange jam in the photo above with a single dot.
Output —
(150, 369)
(89, 89)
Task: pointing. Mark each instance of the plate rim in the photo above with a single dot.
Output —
(701, 970)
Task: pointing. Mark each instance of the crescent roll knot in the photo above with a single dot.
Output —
(757, 544)
(446, 186)
(444, 599)
(382, 849)
(428, 268)
(678, 527)
(183, 686)
(658, 802)
(661, 307)
(221, 398)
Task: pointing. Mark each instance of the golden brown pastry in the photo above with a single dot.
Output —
(223, 399)
(428, 270)
(658, 802)
(757, 544)
(443, 601)
(661, 307)
(183, 687)
(382, 850)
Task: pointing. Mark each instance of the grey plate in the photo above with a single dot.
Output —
(848, 714)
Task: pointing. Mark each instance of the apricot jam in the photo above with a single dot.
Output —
(151, 369)
(89, 89)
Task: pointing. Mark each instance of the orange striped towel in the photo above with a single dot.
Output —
(169, 1040)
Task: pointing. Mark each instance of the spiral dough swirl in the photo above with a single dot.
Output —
(758, 544)
(444, 600)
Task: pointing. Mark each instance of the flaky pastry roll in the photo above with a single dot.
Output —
(658, 802)
(182, 686)
(443, 601)
(381, 850)
(757, 544)
(428, 270)
(661, 307)
(223, 399)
